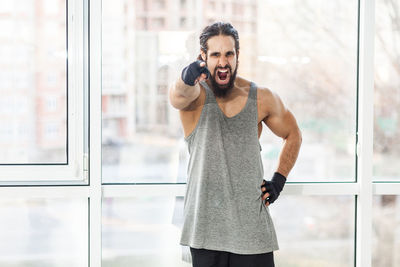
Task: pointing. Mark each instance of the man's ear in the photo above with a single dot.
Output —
(203, 55)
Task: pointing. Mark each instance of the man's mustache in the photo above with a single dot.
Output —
(226, 66)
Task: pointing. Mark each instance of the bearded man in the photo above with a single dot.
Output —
(226, 209)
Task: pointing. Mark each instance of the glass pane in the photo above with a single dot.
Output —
(315, 231)
(146, 231)
(140, 56)
(43, 232)
(387, 91)
(33, 81)
(300, 49)
(308, 55)
(386, 231)
(142, 232)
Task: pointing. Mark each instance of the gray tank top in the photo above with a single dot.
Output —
(223, 209)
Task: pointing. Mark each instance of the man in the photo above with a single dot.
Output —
(226, 216)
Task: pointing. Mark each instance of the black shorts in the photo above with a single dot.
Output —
(213, 258)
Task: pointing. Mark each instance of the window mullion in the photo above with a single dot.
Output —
(95, 220)
(365, 134)
(172, 190)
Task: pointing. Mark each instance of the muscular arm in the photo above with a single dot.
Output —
(282, 123)
(182, 95)
(186, 89)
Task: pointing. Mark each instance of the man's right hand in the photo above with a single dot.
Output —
(195, 72)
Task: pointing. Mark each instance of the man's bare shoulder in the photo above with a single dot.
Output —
(265, 97)
(242, 83)
(268, 102)
(263, 93)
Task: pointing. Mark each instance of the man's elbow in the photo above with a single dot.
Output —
(174, 99)
(177, 102)
(298, 136)
(295, 136)
(178, 105)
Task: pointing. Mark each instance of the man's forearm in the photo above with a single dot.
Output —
(181, 94)
(289, 153)
(187, 91)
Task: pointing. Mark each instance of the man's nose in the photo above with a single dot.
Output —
(223, 61)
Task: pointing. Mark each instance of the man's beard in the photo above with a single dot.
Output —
(223, 90)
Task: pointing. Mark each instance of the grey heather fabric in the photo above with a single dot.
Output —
(223, 209)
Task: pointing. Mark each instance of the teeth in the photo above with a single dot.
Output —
(223, 70)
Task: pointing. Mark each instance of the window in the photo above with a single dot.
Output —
(130, 191)
(35, 69)
(43, 232)
(51, 103)
(387, 92)
(272, 57)
(183, 3)
(309, 57)
(386, 229)
(159, 4)
(302, 51)
(158, 23)
(151, 231)
(386, 128)
(306, 235)
(45, 201)
(182, 22)
(51, 130)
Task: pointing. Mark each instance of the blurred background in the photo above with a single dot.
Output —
(305, 51)
(299, 49)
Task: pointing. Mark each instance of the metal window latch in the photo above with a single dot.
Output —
(86, 166)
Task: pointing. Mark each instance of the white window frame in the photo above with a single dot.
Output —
(363, 189)
(75, 171)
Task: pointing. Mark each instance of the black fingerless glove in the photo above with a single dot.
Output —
(274, 187)
(193, 71)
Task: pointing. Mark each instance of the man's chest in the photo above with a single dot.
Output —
(233, 108)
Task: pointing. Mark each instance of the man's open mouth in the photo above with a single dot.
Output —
(222, 74)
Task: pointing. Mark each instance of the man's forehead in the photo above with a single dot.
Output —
(221, 42)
